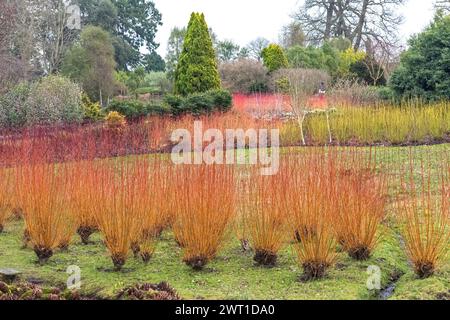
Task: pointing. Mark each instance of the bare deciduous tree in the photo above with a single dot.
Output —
(442, 5)
(256, 47)
(382, 59)
(8, 14)
(12, 68)
(55, 36)
(292, 35)
(174, 49)
(356, 20)
(13, 71)
(379, 55)
(302, 84)
(42, 35)
(244, 76)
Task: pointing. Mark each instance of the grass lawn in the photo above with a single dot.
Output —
(233, 274)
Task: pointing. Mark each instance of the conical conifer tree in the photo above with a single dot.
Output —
(197, 66)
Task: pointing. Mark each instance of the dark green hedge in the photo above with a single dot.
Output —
(200, 103)
(133, 109)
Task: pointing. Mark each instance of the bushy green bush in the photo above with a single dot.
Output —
(176, 104)
(424, 69)
(200, 103)
(306, 57)
(13, 106)
(90, 62)
(133, 109)
(333, 56)
(274, 57)
(155, 108)
(386, 93)
(52, 100)
(221, 99)
(173, 100)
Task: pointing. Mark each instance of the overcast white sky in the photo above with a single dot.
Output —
(245, 20)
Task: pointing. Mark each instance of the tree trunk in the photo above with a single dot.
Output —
(359, 29)
(329, 127)
(329, 22)
(300, 121)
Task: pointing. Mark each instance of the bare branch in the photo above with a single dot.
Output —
(357, 20)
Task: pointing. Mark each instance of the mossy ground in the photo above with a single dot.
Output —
(233, 273)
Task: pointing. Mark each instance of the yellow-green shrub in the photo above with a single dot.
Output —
(409, 123)
(92, 110)
(115, 120)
